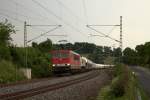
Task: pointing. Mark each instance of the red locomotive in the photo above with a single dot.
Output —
(65, 61)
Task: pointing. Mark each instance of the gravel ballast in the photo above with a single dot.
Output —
(30, 85)
(86, 90)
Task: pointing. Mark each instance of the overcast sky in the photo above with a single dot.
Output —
(74, 15)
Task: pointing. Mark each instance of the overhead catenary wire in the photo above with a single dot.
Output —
(70, 11)
(67, 34)
(38, 29)
(107, 36)
(44, 33)
(85, 14)
(30, 10)
(58, 17)
(43, 25)
(111, 30)
(16, 11)
(85, 11)
(58, 35)
(19, 14)
(18, 20)
(26, 8)
(103, 25)
(92, 35)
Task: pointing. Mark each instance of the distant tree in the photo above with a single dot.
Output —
(45, 46)
(130, 56)
(6, 29)
(68, 46)
(143, 52)
(83, 47)
(117, 52)
(140, 50)
(107, 51)
(147, 53)
(98, 55)
(34, 44)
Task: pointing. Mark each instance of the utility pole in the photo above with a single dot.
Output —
(121, 44)
(107, 36)
(25, 34)
(25, 43)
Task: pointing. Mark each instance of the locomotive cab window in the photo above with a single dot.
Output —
(60, 55)
(55, 55)
(64, 55)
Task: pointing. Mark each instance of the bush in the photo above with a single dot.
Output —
(4, 53)
(123, 86)
(9, 73)
(118, 87)
(37, 60)
(42, 69)
(122, 79)
(18, 56)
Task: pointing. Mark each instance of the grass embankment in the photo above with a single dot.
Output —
(9, 73)
(10, 65)
(124, 86)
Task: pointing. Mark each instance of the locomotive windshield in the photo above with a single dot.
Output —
(60, 55)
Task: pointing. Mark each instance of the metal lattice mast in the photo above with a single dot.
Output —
(121, 43)
(107, 36)
(25, 43)
(25, 34)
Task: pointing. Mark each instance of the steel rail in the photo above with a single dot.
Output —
(35, 91)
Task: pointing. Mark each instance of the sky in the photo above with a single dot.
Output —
(74, 15)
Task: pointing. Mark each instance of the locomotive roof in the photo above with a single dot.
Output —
(61, 50)
(66, 51)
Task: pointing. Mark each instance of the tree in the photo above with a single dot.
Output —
(117, 52)
(107, 51)
(147, 53)
(6, 29)
(130, 56)
(45, 46)
(143, 52)
(34, 44)
(98, 55)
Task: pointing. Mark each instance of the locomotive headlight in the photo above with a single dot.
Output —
(68, 64)
(53, 65)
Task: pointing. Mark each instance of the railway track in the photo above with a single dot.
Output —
(24, 82)
(35, 91)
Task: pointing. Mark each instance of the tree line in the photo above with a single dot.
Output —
(138, 56)
(96, 53)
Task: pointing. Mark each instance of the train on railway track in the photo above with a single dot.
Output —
(72, 62)
(69, 61)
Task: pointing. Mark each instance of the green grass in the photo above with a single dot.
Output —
(124, 86)
(9, 72)
(109, 60)
(103, 95)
